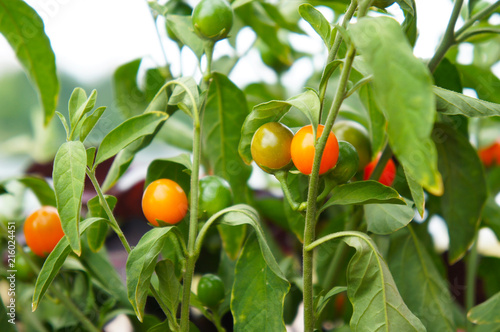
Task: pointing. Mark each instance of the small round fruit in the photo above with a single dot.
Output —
(490, 155)
(43, 230)
(164, 200)
(347, 165)
(388, 174)
(213, 19)
(211, 290)
(270, 146)
(215, 195)
(357, 135)
(303, 150)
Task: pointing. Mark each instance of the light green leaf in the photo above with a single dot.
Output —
(417, 193)
(90, 122)
(170, 287)
(129, 98)
(402, 87)
(225, 113)
(322, 300)
(258, 294)
(54, 262)
(486, 312)
(182, 27)
(86, 107)
(413, 269)
(69, 176)
(377, 120)
(387, 218)
(465, 188)
(140, 266)
(450, 102)
(318, 22)
(24, 30)
(363, 192)
(307, 102)
(98, 231)
(77, 99)
(40, 188)
(127, 132)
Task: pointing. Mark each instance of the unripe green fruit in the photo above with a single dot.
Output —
(347, 164)
(211, 290)
(213, 19)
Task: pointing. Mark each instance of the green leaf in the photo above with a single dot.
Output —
(318, 22)
(182, 98)
(177, 169)
(225, 113)
(491, 215)
(363, 192)
(98, 231)
(53, 264)
(377, 304)
(307, 103)
(182, 27)
(413, 269)
(279, 18)
(402, 87)
(256, 286)
(233, 239)
(377, 120)
(127, 132)
(446, 76)
(387, 218)
(417, 193)
(322, 300)
(483, 80)
(140, 266)
(407, 5)
(129, 98)
(69, 176)
(465, 188)
(24, 30)
(90, 122)
(40, 188)
(170, 287)
(449, 102)
(409, 25)
(6, 320)
(64, 123)
(77, 109)
(486, 312)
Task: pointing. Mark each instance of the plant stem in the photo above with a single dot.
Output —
(193, 218)
(209, 51)
(216, 320)
(282, 176)
(71, 306)
(479, 16)
(448, 38)
(382, 162)
(470, 293)
(332, 53)
(104, 204)
(310, 224)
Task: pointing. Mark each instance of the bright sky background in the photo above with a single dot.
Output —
(91, 38)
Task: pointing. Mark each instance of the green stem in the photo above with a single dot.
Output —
(193, 220)
(448, 38)
(332, 53)
(479, 16)
(382, 162)
(209, 51)
(310, 224)
(282, 176)
(470, 293)
(71, 306)
(216, 321)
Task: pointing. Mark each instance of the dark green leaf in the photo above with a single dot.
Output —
(450, 102)
(91, 156)
(98, 231)
(417, 193)
(40, 188)
(127, 132)
(410, 23)
(364, 192)
(322, 300)
(407, 5)
(307, 103)
(377, 120)
(176, 169)
(465, 188)
(8, 317)
(25, 32)
(483, 80)
(54, 262)
(491, 215)
(446, 76)
(69, 175)
(90, 122)
(486, 312)
(318, 22)
(182, 27)
(225, 112)
(403, 91)
(413, 269)
(387, 218)
(256, 286)
(129, 98)
(170, 287)
(140, 266)
(277, 16)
